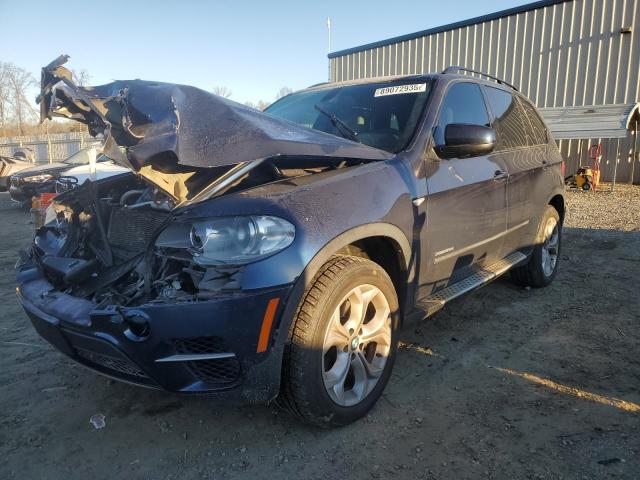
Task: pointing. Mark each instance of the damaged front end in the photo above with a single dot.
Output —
(184, 146)
(118, 283)
(127, 280)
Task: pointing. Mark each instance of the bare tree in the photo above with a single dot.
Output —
(81, 77)
(283, 92)
(223, 91)
(259, 105)
(18, 82)
(4, 96)
(262, 105)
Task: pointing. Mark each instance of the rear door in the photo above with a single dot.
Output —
(466, 203)
(516, 150)
(545, 161)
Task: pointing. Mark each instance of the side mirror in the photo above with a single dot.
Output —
(463, 140)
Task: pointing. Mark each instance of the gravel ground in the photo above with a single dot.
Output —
(603, 209)
(504, 383)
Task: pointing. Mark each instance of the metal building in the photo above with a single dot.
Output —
(578, 60)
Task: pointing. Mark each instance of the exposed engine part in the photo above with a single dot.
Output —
(130, 231)
(101, 242)
(131, 193)
(148, 197)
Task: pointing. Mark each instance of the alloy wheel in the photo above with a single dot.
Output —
(550, 247)
(357, 344)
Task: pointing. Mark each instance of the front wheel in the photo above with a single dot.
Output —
(342, 343)
(543, 263)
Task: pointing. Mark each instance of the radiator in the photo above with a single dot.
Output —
(130, 231)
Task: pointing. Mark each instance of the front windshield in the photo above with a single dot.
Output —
(383, 115)
(82, 157)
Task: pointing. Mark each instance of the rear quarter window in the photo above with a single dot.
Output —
(538, 132)
(509, 120)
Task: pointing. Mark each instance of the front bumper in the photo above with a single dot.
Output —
(207, 346)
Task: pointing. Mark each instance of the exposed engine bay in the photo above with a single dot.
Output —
(107, 241)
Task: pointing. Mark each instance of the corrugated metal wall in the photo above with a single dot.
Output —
(570, 53)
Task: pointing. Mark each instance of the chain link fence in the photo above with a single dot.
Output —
(47, 148)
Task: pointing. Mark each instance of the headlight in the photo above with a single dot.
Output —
(239, 240)
(38, 178)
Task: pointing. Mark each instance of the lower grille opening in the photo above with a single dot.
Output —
(120, 365)
(220, 371)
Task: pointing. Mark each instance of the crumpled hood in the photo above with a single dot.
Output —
(143, 122)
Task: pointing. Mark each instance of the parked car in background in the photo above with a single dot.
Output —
(75, 176)
(8, 167)
(42, 178)
(263, 255)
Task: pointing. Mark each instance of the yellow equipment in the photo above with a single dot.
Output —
(585, 178)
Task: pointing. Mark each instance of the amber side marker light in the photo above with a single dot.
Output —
(267, 321)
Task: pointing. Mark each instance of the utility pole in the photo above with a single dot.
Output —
(328, 59)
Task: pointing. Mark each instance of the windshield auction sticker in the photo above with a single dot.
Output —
(399, 89)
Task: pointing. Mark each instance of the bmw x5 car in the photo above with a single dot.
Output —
(257, 256)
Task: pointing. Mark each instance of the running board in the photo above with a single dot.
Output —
(434, 302)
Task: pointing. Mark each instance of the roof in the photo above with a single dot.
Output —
(464, 23)
(591, 121)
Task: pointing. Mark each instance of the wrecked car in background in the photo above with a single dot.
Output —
(256, 255)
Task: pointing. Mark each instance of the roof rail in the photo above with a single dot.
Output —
(456, 68)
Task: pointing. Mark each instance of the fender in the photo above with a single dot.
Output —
(322, 256)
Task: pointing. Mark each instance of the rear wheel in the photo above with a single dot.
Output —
(342, 343)
(543, 263)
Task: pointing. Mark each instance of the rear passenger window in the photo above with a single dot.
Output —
(509, 122)
(463, 103)
(538, 132)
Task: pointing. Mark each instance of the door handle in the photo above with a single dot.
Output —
(499, 175)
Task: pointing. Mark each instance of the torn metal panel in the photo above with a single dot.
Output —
(145, 122)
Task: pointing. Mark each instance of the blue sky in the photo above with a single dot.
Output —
(252, 47)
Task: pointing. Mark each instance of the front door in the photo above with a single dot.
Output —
(466, 202)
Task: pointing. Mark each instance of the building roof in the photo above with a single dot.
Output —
(450, 26)
(591, 121)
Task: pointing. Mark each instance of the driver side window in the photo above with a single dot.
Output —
(463, 103)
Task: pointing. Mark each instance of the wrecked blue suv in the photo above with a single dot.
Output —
(260, 255)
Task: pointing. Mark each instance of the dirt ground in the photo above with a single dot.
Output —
(505, 383)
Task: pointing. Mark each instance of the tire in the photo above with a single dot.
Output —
(326, 314)
(586, 186)
(537, 273)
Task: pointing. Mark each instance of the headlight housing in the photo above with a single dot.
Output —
(45, 177)
(234, 240)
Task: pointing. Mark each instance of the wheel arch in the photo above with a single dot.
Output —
(557, 202)
(371, 241)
